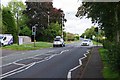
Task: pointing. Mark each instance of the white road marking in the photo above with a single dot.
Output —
(19, 64)
(27, 66)
(69, 76)
(37, 58)
(13, 72)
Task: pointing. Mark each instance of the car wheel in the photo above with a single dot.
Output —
(53, 45)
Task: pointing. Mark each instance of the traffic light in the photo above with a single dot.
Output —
(33, 30)
(96, 29)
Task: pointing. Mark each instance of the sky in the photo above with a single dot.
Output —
(73, 25)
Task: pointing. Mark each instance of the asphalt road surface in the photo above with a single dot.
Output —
(46, 63)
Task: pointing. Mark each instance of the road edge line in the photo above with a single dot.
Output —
(69, 76)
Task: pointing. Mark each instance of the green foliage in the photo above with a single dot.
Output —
(89, 32)
(107, 15)
(17, 8)
(107, 71)
(9, 23)
(1, 20)
(25, 31)
(70, 36)
(52, 31)
(77, 37)
(37, 13)
(38, 45)
(113, 54)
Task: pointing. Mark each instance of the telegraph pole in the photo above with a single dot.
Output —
(96, 30)
(62, 22)
(48, 18)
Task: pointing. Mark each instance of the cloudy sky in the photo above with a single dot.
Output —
(73, 24)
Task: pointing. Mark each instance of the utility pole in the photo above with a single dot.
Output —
(18, 26)
(97, 32)
(62, 22)
(17, 23)
(48, 18)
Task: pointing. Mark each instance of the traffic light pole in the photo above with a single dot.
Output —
(34, 33)
(34, 40)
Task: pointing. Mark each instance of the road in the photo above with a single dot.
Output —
(45, 63)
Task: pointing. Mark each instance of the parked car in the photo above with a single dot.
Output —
(58, 41)
(86, 42)
(6, 39)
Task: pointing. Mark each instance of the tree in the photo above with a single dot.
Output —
(17, 8)
(42, 14)
(107, 15)
(89, 32)
(52, 31)
(70, 36)
(8, 22)
(25, 31)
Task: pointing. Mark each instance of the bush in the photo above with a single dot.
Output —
(113, 54)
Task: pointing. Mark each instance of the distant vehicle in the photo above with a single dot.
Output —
(6, 39)
(58, 41)
(86, 42)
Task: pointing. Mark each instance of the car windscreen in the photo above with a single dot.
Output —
(85, 40)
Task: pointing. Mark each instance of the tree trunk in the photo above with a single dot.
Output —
(117, 30)
(118, 36)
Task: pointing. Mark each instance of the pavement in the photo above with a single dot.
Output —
(94, 66)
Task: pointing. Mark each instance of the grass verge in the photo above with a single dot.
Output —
(38, 45)
(95, 43)
(107, 72)
(69, 42)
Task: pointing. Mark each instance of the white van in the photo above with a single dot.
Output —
(6, 39)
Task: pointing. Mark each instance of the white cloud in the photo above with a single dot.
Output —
(73, 24)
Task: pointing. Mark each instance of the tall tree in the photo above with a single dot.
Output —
(9, 22)
(17, 8)
(41, 15)
(105, 14)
